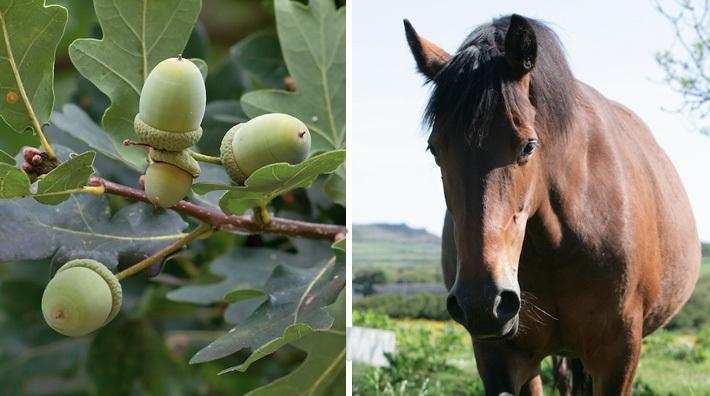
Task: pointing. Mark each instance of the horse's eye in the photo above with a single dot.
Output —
(528, 149)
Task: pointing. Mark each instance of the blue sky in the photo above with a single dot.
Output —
(609, 45)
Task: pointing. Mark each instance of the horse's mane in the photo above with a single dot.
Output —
(470, 88)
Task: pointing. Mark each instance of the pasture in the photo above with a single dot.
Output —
(434, 356)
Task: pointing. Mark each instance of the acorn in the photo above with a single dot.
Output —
(82, 297)
(169, 176)
(172, 104)
(171, 107)
(264, 140)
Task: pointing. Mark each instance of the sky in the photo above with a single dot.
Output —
(609, 45)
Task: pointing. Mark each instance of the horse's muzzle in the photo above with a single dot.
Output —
(489, 314)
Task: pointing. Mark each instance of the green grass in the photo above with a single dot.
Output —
(676, 363)
(672, 362)
(705, 265)
(403, 254)
(368, 254)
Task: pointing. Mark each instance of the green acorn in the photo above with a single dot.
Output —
(82, 296)
(172, 104)
(169, 176)
(264, 140)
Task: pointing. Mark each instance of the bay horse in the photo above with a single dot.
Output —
(567, 231)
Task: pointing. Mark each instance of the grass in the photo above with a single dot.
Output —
(672, 362)
(705, 265)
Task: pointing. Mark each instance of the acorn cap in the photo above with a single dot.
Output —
(227, 156)
(111, 280)
(182, 159)
(165, 140)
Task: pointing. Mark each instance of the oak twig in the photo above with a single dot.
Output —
(163, 253)
(240, 224)
(205, 158)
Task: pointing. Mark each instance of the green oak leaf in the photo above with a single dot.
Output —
(322, 372)
(53, 357)
(30, 33)
(137, 35)
(14, 183)
(260, 55)
(83, 225)
(339, 249)
(139, 356)
(244, 268)
(69, 175)
(74, 121)
(253, 63)
(334, 187)
(297, 296)
(6, 158)
(242, 295)
(313, 43)
(270, 181)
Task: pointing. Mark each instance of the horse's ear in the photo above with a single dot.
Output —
(520, 46)
(430, 58)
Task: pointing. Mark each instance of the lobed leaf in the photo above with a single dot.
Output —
(313, 42)
(245, 271)
(260, 55)
(297, 296)
(83, 225)
(137, 35)
(268, 182)
(322, 372)
(14, 183)
(74, 121)
(6, 158)
(244, 268)
(71, 174)
(29, 35)
(138, 356)
(334, 187)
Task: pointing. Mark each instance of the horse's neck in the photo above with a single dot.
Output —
(572, 163)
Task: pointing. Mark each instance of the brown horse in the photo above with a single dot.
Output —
(568, 231)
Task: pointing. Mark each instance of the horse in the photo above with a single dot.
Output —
(568, 231)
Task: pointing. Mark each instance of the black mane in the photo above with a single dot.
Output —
(472, 86)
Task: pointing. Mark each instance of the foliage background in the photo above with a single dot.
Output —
(147, 349)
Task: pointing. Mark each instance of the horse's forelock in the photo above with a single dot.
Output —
(474, 86)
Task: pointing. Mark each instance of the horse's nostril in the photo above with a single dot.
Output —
(507, 305)
(452, 305)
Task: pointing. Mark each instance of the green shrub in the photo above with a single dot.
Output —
(422, 363)
(695, 314)
(421, 305)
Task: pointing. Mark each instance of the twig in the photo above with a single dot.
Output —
(241, 224)
(161, 254)
(205, 158)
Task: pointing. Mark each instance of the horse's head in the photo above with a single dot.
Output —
(484, 139)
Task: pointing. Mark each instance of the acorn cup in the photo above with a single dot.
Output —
(171, 107)
(82, 297)
(264, 140)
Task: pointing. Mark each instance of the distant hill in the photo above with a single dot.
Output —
(408, 254)
(392, 233)
(404, 254)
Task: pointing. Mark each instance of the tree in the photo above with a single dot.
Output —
(686, 66)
